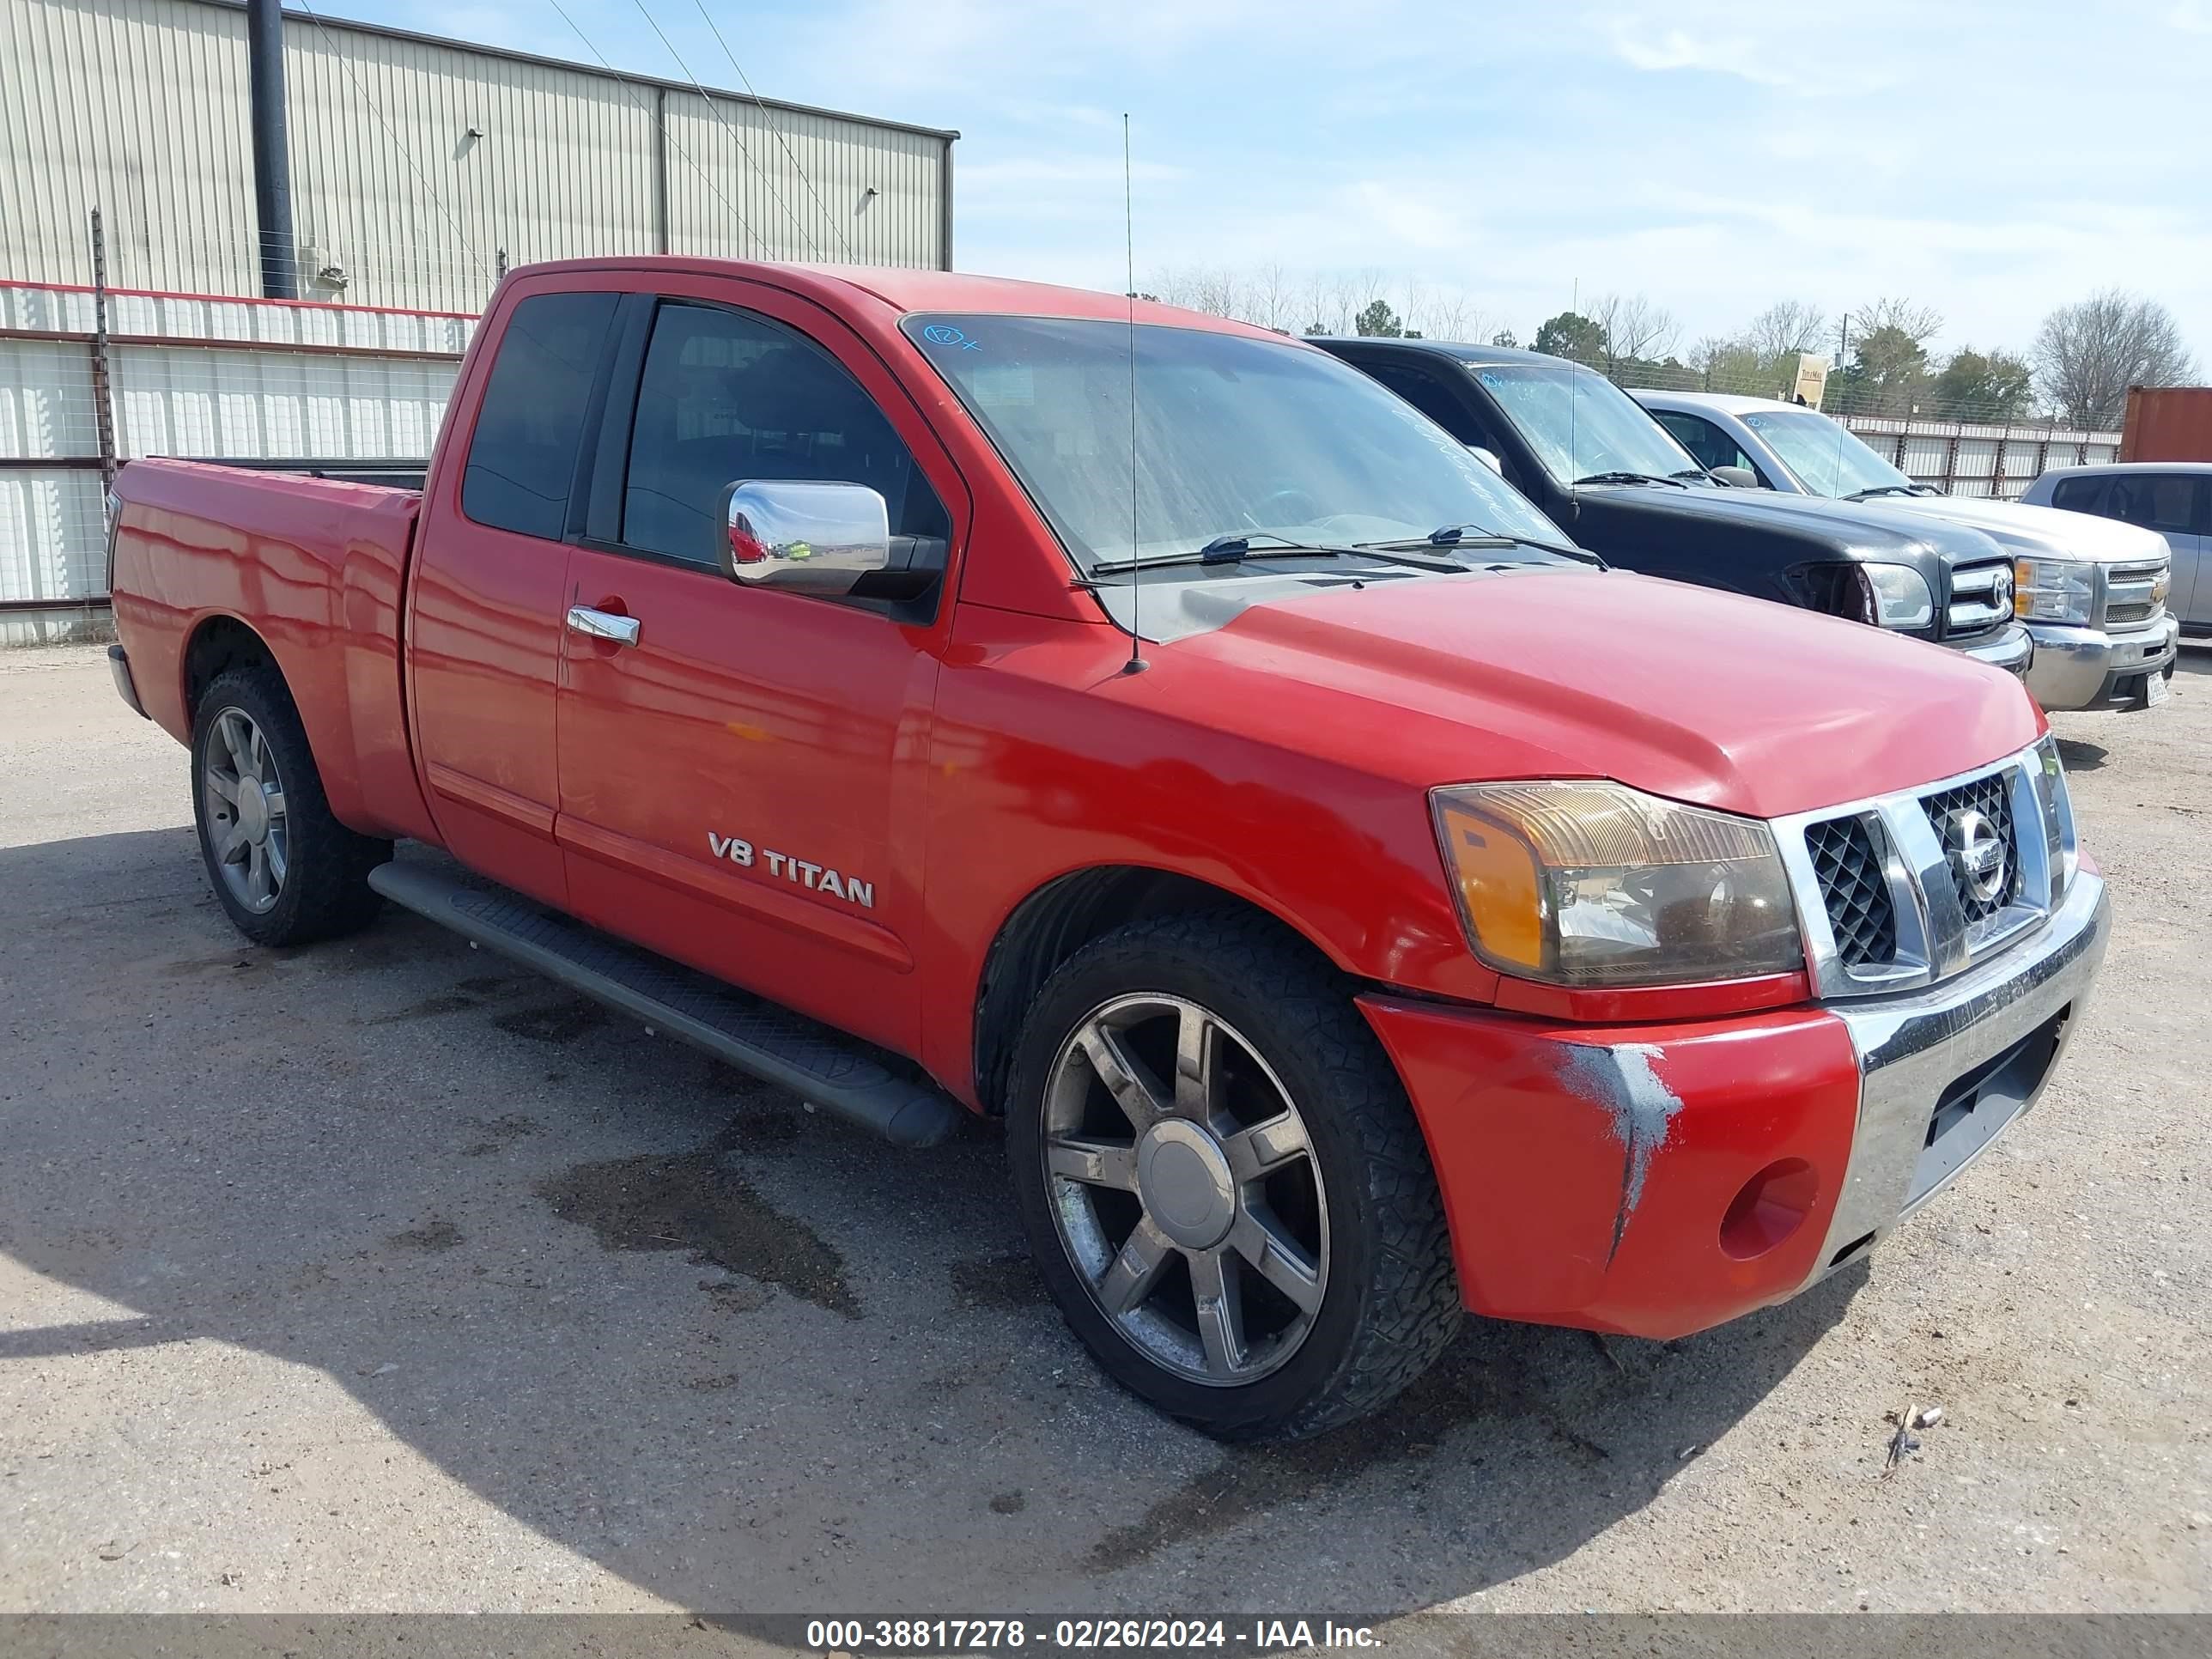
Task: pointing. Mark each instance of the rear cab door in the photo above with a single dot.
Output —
(741, 787)
(490, 580)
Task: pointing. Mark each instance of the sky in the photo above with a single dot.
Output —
(1991, 161)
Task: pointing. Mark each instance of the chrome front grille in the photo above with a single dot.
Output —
(2135, 594)
(1853, 891)
(1906, 889)
(1976, 818)
(1981, 596)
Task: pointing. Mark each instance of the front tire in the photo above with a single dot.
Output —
(1223, 1182)
(285, 870)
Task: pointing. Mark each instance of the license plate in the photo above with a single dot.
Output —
(2155, 689)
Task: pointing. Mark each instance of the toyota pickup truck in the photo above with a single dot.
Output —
(2092, 591)
(1603, 468)
(950, 697)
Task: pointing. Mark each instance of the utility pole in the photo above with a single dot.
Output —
(272, 164)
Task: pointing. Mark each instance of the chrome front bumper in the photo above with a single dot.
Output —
(1944, 1071)
(2079, 667)
(2014, 650)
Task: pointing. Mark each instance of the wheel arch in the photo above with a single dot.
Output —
(1055, 920)
(217, 644)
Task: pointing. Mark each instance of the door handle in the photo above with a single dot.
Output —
(603, 625)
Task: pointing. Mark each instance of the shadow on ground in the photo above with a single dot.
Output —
(736, 1354)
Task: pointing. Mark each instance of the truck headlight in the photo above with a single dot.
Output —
(1595, 883)
(2054, 590)
(1901, 599)
(2061, 843)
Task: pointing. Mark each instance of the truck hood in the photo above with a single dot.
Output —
(1874, 530)
(2049, 530)
(1733, 703)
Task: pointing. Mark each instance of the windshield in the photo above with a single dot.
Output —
(1234, 437)
(1579, 423)
(1825, 456)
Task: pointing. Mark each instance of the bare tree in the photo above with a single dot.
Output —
(1346, 294)
(1413, 306)
(1449, 316)
(1634, 328)
(1315, 312)
(1271, 301)
(2087, 355)
(1785, 327)
(1916, 323)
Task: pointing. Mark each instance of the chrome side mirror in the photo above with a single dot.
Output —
(1488, 458)
(1736, 478)
(820, 538)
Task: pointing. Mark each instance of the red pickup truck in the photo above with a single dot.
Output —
(950, 695)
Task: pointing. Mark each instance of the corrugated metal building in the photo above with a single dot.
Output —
(415, 163)
(418, 165)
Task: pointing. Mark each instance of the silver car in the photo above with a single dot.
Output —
(2092, 586)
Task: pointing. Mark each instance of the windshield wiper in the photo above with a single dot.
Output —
(1232, 549)
(1631, 477)
(1457, 539)
(1691, 472)
(1885, 490)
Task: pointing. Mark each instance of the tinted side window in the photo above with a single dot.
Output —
(1434, 399)
(2080, 495)
(1707, 442)
(727, 397)
(522, 455)
(2156, 500)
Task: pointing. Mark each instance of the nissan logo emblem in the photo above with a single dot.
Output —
(1976, 852)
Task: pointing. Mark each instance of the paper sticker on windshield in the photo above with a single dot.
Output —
(1002, 385)
(945, 334)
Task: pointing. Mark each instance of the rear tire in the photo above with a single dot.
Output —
(1268, 1257)
(284, 870)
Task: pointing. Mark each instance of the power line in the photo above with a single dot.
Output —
(813, 247)
(659, 125)
(377, 110)
(769, 116)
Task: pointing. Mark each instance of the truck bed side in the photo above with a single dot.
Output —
(316, 570)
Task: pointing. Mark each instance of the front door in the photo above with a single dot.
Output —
(741, 783)
(2173, 504)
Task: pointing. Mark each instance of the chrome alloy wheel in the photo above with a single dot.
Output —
(1184, 1189)
(245, 800)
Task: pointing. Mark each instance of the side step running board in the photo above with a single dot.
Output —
(753, 1035)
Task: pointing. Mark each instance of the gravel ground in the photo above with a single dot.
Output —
(382, 1276)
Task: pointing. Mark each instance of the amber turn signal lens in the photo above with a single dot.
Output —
(1500, 892)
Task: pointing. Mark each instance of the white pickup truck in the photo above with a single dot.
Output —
(2093, 591)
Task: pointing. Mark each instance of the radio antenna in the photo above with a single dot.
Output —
(1136, 665)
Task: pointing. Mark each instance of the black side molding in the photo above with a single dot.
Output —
(811, 1060)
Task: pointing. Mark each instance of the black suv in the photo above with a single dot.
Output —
(1619, 483)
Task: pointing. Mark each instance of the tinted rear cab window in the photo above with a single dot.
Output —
(522, 454)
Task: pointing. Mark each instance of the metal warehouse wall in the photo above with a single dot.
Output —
(139, 107)
(241, 379)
